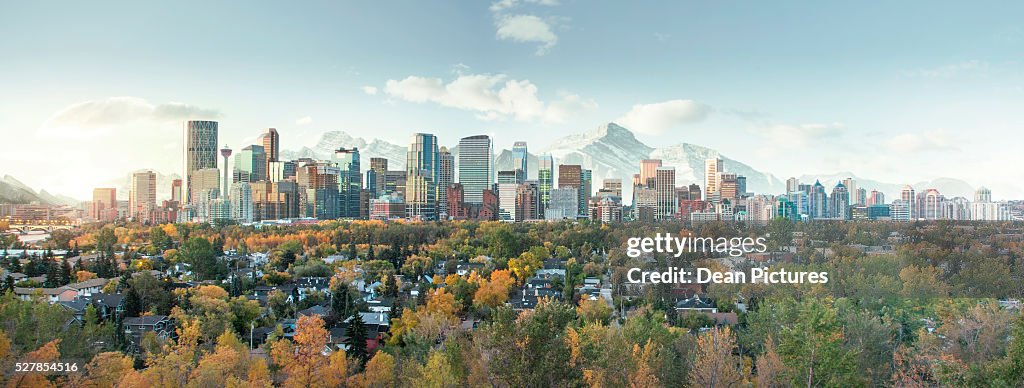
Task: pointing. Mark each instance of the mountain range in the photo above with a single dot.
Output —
(613, 151)
(610, 151)
(13, 191)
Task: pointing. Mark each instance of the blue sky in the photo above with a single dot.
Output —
(896, 92)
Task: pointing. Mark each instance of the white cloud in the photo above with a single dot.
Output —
(100, 116)
(655, 118)
(527, 29)
(492, 97)
(371, 90)
(304, 120)
(973, 66)
(802, 134)
(938, 140)
(502, 5)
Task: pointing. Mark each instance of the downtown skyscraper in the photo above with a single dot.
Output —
(520, 157)
(445, 178)
(476, 167)
(545, 181)
(350, 182)
(199, 153)
(422, 167)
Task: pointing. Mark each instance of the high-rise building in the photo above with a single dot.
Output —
(506, 201)
(456, 202)
(394, 183)
(930, 204)
(527, 202)
(241, 202)
(545, 180)
(563, 204)
(271, 145)
(520, 157)
(142, 196)
(350, 182)
(586, 190)
(908, 197)
(250, 164)
(104, 204)
(728, 188)
(422, 167)
(792, 184)
(571, 175)
(200, 152)
(445, 177)
(280, 171)
(712, 169)
(983, 195)
(613, 186)
(875, 198)
(176, 191)
(741, 186)
(375, 176)
(318, 190)
(649, 171)
(665, 185)
(818, 201)
(851, 188)
(511, 176)
(476, 166)
(645, 204)
(274, 200)
(840, 202)
(387, 207)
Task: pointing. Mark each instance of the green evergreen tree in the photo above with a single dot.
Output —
(356, 341)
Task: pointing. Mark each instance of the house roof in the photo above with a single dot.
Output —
(97, 282)
(145, 320)
(315, 310)
(695, 303)
(44, 291)
(109, 300)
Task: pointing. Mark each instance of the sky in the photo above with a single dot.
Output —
(891, 91)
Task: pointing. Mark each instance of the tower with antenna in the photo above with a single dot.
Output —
(226, 153)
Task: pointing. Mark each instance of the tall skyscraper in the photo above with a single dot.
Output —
(818, 203)
(476, 167)
(318, 190)
(104, 204)
(142, 197)
(983, 195)
(586, 190)
(251, 164)
(649, 172)
(545, 180)
(176, 191)
(445, 178)
(613, 186)
(910, 199)
(241, 202)
(271, 145)
(200, 152)
(792, 184)
(350, 182)
(520, 157)
(712, 169)
(840, 202)
(851, 188)
(665, 184)
(375, 176)
(422, 167)
(728, 187)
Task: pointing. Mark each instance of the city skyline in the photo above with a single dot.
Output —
(791, 89)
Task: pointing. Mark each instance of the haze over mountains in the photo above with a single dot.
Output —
(611, 151)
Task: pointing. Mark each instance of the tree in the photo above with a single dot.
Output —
(494, 293)
(303, 363)
(591, 311)
(45, 353)
(715, 365)
(356, 341)
(379, 372)
(525, 266)
(200, 254)
(770, 370)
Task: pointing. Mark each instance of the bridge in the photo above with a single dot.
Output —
(48, 226)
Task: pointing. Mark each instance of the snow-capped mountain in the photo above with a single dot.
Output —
(331, 141)
(612, 151)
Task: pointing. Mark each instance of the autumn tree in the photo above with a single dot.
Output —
(303, 362)
(715, 364)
